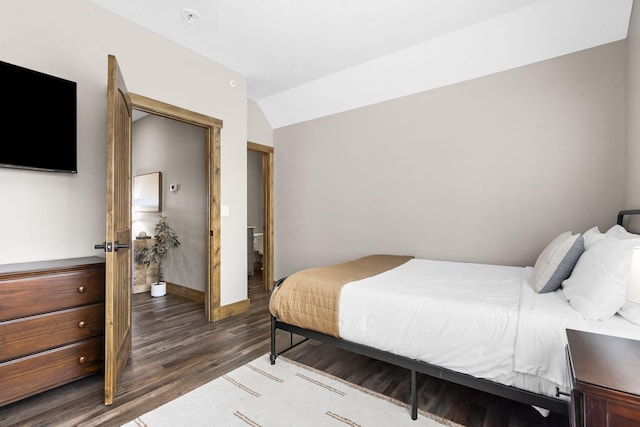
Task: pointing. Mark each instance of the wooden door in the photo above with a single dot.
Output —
(118, 231)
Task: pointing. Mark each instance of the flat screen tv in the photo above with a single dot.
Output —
(40, 112)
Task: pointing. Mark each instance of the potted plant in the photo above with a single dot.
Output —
(166, 239)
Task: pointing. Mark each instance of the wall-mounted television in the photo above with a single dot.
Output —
(40, 114)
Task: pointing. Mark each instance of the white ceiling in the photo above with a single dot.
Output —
(305, 59)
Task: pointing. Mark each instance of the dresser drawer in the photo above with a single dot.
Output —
(32, 374)
(27, 296)
(33, 334)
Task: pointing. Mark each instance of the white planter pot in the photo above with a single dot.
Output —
(158, 289)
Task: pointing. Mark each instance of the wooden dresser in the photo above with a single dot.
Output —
(51, 324)
(605, 373)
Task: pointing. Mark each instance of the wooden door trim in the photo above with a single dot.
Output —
(212, 134)
(267, 191)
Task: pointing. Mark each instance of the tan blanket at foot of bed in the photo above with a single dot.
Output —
(310, 298)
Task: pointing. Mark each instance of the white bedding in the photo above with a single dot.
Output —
(541, 337)
(479, 319)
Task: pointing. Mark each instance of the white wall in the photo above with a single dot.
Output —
(488, 170)
(258, 128)
(50, 216)
(260, 132)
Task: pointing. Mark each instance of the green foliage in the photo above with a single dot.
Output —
(166, 239)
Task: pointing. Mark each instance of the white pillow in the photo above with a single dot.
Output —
(620, 232)
(598, 284)
(556, 261)
(592, 236)
(631, 312)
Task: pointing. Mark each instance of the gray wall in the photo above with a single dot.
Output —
(178, 151)
(488, 170)
(633, 41)
(255, 202)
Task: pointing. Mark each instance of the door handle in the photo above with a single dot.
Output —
(109, 247)
(120, 246)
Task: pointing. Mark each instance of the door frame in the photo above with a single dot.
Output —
(212, 128)
(267, 195)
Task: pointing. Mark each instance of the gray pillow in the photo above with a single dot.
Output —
(556, 262)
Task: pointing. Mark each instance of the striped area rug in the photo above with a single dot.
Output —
(259, 394)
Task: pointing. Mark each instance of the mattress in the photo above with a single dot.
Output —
(460, 316)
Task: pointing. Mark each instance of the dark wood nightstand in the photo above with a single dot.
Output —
(605, 377)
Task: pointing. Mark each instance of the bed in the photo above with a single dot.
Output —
(496, 328)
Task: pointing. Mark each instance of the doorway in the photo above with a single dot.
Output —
(169, 184)
(212, 129)
(266, 159)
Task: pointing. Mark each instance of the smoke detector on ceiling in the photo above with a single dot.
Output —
(190, 15)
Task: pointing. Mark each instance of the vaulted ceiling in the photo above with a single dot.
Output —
(305, 59)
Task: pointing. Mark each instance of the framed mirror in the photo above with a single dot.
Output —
(147, 192)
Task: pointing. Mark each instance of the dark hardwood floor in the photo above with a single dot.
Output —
(176, 350)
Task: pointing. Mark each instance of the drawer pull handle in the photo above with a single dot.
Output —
(82, 359)
(82, 324)
(81, 289)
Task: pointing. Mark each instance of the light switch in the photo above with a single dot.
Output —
(224, 210)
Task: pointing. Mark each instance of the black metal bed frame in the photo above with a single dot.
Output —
(554, 404)
(622, 214)
(415, 366)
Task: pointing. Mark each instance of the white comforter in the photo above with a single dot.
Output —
(482, 320)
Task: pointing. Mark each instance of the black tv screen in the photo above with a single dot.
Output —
(40, 114)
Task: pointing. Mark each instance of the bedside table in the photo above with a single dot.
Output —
(605, 378)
